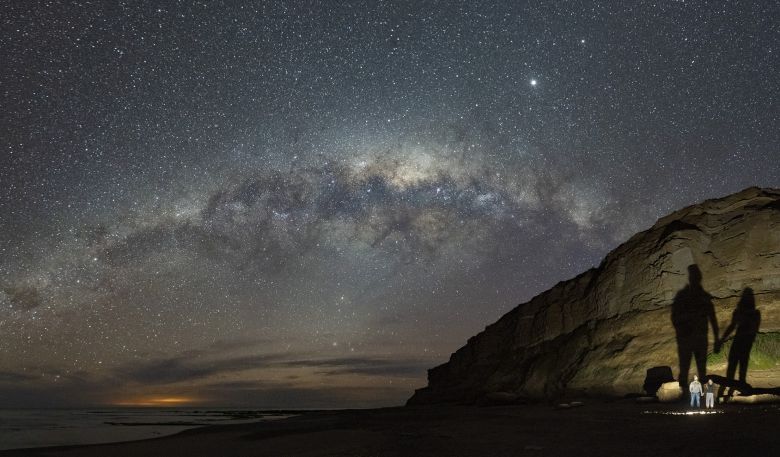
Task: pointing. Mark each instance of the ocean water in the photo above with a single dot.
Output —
(24, 428)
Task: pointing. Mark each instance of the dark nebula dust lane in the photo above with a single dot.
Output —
(307, 204)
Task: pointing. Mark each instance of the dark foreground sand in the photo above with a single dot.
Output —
(596, 429)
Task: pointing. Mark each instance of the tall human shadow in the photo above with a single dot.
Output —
(692, 311)
(746, 320)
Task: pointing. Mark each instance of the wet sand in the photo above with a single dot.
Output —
(597, 428)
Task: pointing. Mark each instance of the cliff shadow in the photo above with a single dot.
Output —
(692, 313)
(745, 322)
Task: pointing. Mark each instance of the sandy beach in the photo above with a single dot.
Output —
(597, 428)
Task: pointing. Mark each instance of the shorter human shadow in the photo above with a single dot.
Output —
(745, 322)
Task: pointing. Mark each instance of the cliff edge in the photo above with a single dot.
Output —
(600, 332)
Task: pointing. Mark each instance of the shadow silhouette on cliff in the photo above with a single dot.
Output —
(742, 387)
(745, 322)
(692, 314)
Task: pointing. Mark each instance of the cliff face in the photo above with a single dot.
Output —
(600, 331)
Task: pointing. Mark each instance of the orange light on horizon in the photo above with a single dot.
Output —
(157, 401)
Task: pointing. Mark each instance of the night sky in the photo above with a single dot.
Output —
(306, 204)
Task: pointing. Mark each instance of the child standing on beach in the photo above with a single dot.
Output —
(709, 391)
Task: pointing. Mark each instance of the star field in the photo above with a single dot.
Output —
(307, 204)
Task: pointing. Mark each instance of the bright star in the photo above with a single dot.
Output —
(533, 82)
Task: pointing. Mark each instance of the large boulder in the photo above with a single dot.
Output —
(600, 332)
(669, 392)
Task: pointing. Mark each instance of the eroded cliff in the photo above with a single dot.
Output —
(600, 331)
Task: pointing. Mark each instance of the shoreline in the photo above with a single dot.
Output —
(596, 428)
(193, 430)
(40, 428)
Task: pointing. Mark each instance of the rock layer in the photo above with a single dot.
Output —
(600, 332)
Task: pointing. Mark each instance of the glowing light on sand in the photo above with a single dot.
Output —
(685, 413)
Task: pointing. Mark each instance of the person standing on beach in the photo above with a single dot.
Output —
(696, 392)
(709, 394)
